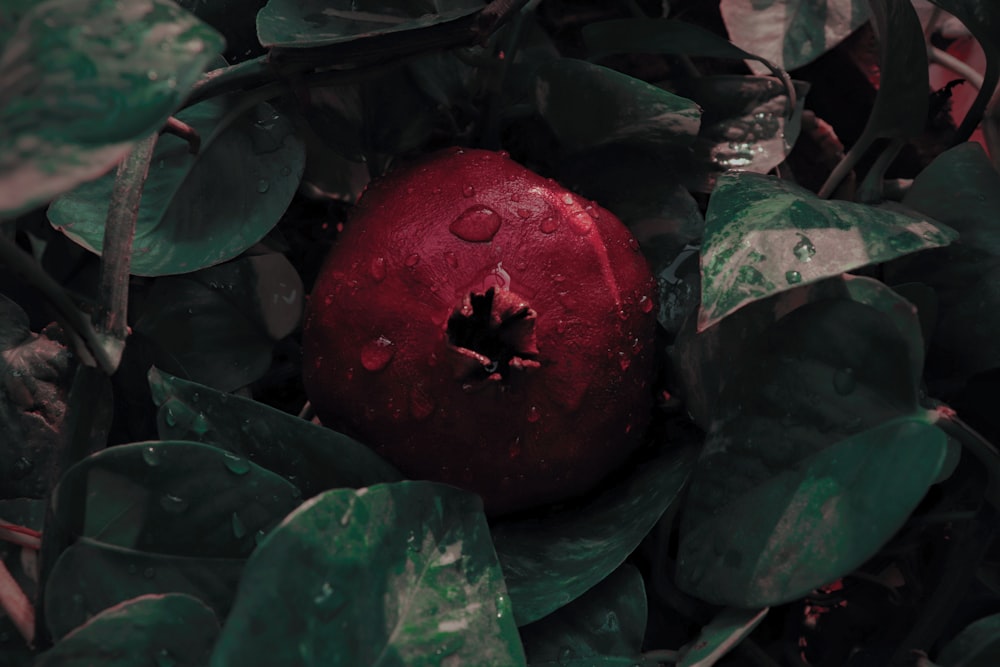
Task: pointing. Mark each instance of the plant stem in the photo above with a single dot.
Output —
(870, 191)
(846, 164)
(86, 342)
(248, 74)
(116, 252)
(19, 535)
(183, 131)
(16, 604)
(948, 61)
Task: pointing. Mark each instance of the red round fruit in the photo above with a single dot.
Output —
(480, 325)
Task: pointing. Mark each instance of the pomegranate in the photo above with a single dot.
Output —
(480, 325)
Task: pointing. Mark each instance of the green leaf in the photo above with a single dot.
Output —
(900, 108)
(199, 210)
(218, 325)
(175, 630)
(90, 577)
(84, 80)
(312, 23)
(392, 574)
(816, 455)
(619, 108)
(764, 236)
(723, 634)
(608, 621)
(551, 560)
(172, 497)
(312, 457)
(961, 189)
(791, 33)
(978, 645)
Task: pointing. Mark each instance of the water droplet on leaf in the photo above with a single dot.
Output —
(236, 464)
(164, 659)
(151, 455)
(476, 224)
(804, 250)
(263, 186)
(793, 277)
(172, 503)
(239, 530)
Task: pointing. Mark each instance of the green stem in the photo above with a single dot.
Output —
(248, 74)
(846, 164)
(871, 188)
(111, 317)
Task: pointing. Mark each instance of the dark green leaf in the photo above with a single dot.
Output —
(217, 326)
(235, 19)
(978, 645)
(549, 561)
(608, 621)
(313, 457)
(175, 630)
(312, 23)
(961, 189)
(173, 497)
(901, 102)
(764, 236)
(13, 12)
(791, 33)
(199, 210)
(619, 108)
(82, 81)
(394, 574)
(723, 634)
(817, 455)
(90, 576)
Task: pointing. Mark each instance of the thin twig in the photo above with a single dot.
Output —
(16, 604)
(21, 536)
(959, 67)
(844, 167)
(182, 130)
(871, 189)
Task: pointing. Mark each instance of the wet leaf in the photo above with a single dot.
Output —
(548, 561)
(607, 622)
(961, 189)
(253, 159)
(218, 326)
(235, 19)
(978, 645)
(90, 577)
(172, 497)
(311, 23)
(722, 635)
(620, 109)
(83, 81)
(175, 630)
(816, 456)
(900, 108)
(312, 457)
(392, 574)
(764, 236)
(36, 371)
(791, 33)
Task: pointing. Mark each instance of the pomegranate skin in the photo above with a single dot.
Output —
(479, 325)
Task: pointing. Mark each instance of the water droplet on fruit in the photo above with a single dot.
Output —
(844, 381)
(581, 222)
(239, 529)
(568, 199)
(172, 503)
(378, 269)
(412, 260)
(623, 361)
(523, 213)
(645, 304)
(376, 354)
(476, 224)
(236, 464)
(549, 224)
(804, 250)
(561, 327)
(793, 277)
(533, 414)
(151, 455)
(451, 260)
(263, 186)
(515, 448)
(468, 190)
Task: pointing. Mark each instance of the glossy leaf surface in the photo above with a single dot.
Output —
(723, 634)
(181, 227)
(391, 574)
(901, 102)
(764, 236)
(978, 645)
(312, 457)
(82, 81)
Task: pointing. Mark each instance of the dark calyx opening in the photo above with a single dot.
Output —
(495, 332)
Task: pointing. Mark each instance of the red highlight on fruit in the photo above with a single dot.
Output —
(480, 325)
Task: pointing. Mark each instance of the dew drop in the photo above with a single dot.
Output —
(549, 224)
(623, 361)
(804, 250)
(239, 530)
(421, 405)
(645, 304)
(378, 269)
(501, 606)
(568, 199)
(523, 213)
(412, 544)
(170, 418)
(236, 464)
(515, 448)
(477, 224)
(151, 455)
(566, 654)
(376, 354)
(412, 260)
(172, 503)
(844, 381)
(533, 414)
(581, 223)
(468, 190)
(21, 468)
(258, 537)
(561, 327)
(451, 260)
(200, 424)
(263, 186)
(793, 277)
